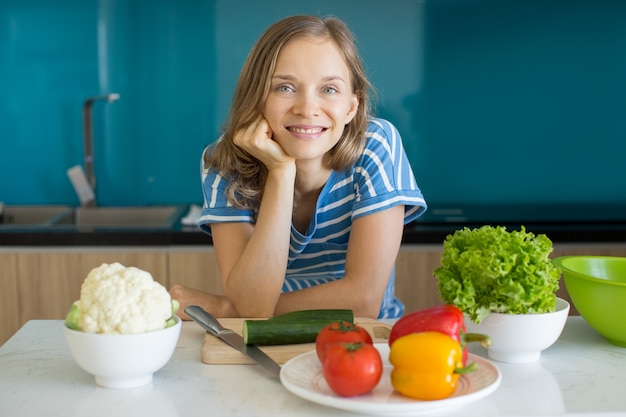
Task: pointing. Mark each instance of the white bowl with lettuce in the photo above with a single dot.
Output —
(505, 284)
(123, 328)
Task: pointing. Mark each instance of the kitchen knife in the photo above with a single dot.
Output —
(210, 323)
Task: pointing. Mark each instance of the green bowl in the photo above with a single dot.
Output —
(597, 287)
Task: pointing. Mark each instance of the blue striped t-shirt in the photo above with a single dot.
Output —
(381, 178)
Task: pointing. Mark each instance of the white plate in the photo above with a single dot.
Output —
(302, 375)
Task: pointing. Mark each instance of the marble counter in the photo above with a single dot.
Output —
(580, 375)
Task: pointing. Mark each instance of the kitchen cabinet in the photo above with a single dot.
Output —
(195, 267)
(416, 285)
(10, 322)
(41, 283)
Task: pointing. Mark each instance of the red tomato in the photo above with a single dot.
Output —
(339, 332)
(352, 368)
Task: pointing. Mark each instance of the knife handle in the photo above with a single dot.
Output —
(206, 320)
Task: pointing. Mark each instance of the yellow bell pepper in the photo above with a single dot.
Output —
(426, 365)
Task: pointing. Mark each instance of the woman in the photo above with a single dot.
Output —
(305, 195)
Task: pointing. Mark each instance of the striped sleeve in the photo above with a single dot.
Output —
(216, 207)
(383, 176)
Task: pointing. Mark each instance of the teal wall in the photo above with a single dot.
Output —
(520, 101)
(524, 101)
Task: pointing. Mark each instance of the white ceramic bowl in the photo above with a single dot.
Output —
(123, 360)
(520, 338)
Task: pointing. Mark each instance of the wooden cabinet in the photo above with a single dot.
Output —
(42, 283)
(416, 285)
(10, 322)
(195, 267)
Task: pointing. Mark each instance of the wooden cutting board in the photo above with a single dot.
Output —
(215, 351)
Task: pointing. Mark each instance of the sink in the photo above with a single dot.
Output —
(135, 217)
(32, 215)
(59, 217)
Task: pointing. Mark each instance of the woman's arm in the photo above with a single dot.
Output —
(253, 258)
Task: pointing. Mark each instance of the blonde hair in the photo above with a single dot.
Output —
(246, 174)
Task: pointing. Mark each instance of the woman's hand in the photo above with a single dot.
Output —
(256, 139)
(217, 305)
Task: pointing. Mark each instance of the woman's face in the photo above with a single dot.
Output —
(310, 99)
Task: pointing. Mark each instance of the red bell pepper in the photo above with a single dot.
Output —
(446, 319)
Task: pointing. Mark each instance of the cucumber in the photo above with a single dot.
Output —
(322, 314)
(292, 328)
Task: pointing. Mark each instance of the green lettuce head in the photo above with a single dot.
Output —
(488, 269)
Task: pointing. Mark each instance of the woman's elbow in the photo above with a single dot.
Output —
(367, 306)
(253, 309)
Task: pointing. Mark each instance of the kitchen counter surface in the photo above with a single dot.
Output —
(414, 233)
(581, 375)
(561, 223)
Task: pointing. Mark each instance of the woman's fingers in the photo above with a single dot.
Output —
(190, 296)
(256, 139)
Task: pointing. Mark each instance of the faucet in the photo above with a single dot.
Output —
(88, 135)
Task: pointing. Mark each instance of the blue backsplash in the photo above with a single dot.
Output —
(522, 101)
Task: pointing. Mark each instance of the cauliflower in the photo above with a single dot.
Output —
(115, 299)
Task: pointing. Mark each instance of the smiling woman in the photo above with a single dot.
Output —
(306, 194)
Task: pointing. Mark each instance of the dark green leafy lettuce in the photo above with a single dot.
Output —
(488, 269)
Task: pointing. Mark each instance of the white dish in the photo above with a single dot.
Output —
(520, 338)
(302, 375)
(123, 360)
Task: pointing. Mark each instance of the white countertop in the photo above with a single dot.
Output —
(581, 374)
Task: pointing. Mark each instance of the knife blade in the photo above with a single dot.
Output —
(210, 324)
